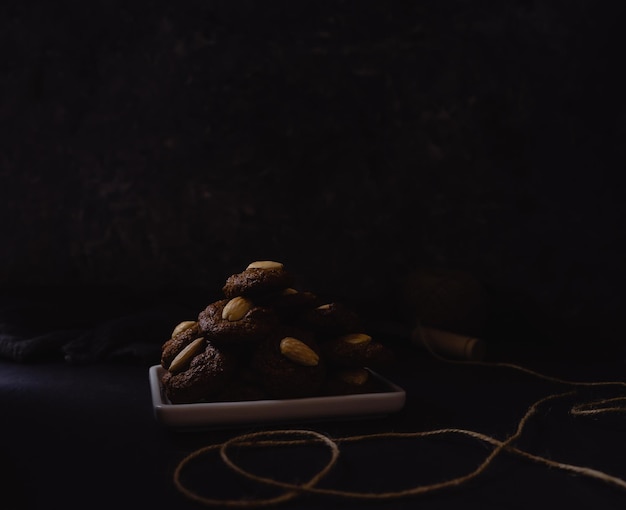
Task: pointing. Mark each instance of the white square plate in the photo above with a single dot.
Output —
(260, 412)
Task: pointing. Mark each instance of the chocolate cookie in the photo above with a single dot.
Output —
(207, 373)
(236, 323)
(257, 279)
(244, 386)
(351, 381)
(290, 366)
(289, 302)
(357, 350)
(331, 319)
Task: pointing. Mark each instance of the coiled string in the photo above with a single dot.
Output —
(298, 437)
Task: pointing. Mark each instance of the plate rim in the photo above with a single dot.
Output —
(233, 413)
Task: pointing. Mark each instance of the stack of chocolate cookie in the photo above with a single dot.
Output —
(265, 339)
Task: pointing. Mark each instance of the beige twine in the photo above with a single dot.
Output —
(255, 439)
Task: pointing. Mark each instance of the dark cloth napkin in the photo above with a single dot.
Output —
(83, 328)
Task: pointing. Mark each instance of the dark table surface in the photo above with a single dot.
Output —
(355, 142)
(86, 436)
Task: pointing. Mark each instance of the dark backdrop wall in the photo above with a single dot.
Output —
(370, 146)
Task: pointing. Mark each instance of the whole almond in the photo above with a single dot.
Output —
(183, 326)
(236, 308)
(298, 352)
(265, 264)
(356, 338)
(182, 359)
(356, 376)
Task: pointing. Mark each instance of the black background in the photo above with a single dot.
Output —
(158, 146)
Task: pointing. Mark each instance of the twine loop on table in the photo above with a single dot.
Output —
(252, 439)
(294, 437)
